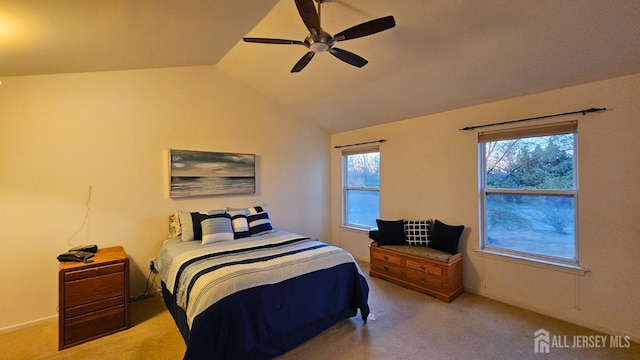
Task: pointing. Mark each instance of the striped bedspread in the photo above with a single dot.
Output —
(200, 275)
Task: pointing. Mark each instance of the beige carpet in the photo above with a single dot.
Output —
(407, 325)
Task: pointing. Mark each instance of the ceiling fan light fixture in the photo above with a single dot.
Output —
(318, 47)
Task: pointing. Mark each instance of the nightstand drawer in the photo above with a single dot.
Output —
(94, 306)
(93, 289)
(94, 324)
(93, 271)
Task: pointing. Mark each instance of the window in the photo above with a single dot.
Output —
(361, 187)
(529, 193)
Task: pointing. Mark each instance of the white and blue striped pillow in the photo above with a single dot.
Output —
(254, 210)
(239, 223)
(190, 225)
(216, 228)
(259, 223)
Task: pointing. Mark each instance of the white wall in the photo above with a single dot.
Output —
(60, 134)
(429, 170)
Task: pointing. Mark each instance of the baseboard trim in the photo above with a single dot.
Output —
(27, 324)
(604, 329)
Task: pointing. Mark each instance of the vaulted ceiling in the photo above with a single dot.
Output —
(441, 55)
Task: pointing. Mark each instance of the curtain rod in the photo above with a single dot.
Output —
(583, 112)
(362, 143)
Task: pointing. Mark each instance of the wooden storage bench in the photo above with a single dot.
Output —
(419, 268)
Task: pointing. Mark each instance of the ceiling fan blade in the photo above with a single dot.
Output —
(366, 28)
(309, 15)
(348, 57)
(303, 62)
(273, 41)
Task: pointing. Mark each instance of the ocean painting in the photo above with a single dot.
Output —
(201, 173)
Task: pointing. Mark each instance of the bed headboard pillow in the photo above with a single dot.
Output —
(216, 228)
(174, 226)
(239, 223)
(190, 225)
(253, 210)
(259, 223)
(257, 209)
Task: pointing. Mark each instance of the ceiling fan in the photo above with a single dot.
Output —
(319, 40)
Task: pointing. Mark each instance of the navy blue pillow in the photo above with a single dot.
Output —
(390, 232)
(445, 237)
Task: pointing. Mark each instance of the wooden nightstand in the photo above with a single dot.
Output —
(93, 297)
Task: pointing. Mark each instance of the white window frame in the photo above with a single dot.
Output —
(569, 127)
(346, 188)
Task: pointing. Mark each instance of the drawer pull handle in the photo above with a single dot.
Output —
(386, 258)
(423, 268)
(423, 280)
(386, 268)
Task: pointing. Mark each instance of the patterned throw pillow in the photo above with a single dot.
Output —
(216, 228)
(417, 232)
(259, 223)
(174, 226)
(239, 223)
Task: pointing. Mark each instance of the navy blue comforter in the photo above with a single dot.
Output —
(267, 320)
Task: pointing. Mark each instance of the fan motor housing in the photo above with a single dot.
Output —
(320, 43)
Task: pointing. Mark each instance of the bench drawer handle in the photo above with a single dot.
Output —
(386, 268)
(386, 258)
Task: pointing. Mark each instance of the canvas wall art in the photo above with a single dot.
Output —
(202, 173)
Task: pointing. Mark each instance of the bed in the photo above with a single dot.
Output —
(260, 296)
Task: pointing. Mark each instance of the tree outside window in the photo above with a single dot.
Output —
(529, 194)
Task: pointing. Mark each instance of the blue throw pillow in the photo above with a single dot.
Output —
(390, 232)
(445, 237)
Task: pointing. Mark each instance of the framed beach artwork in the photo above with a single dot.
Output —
(202, 173)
